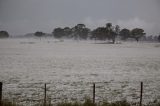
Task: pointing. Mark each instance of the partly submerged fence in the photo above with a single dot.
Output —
(44, 95)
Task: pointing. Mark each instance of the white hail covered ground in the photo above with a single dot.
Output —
(69, 68)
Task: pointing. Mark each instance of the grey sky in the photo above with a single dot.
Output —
(25, 16)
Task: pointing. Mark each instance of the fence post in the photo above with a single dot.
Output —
(45, 90)
(1, 84)
(141, 94)
(94, 93)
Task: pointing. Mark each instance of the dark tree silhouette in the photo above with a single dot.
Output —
(39, 34)
(125, 34)
(4, 34)
(137, 33)
(99, 33)
(108, 32)
(58, 32)
(67, 32)
(159, 38)
(117, 29)
(109, 26)
(112, 32)
(80, 31)
(84, 33)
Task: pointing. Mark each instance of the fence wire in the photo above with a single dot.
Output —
(32, 93)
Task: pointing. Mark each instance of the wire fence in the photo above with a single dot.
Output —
(31, 93)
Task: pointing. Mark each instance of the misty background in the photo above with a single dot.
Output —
(19, 17)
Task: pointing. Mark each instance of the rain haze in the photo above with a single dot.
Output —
(19, 17)
(59, 51)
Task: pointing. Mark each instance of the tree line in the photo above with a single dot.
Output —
(109, 32)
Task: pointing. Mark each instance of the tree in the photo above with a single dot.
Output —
(80, 31)
(84, 33)
(4, 34)
(99, 33)
(67, 32)
(58, 32)
(112, 32)
(125, 34)
(117, 29)
(137, 33)
(108, 32)
(108, 26)
(113, 36)
(39, 34)
(159, 38)
(115, 32)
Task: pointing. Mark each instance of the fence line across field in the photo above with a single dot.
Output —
(94, 91)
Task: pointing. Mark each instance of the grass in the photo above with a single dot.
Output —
(87, 102)
(8, 103)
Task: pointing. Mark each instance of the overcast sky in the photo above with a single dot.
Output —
(25, 16)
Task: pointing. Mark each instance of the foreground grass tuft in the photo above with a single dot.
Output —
(87, 102)
(7, 103)
(117, 103)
